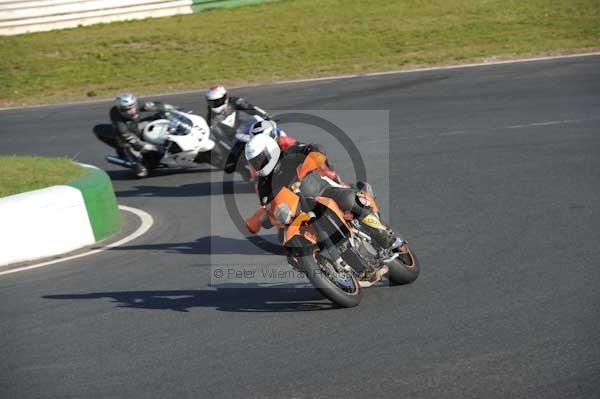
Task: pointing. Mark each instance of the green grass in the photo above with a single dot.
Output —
(20, 174)
(284, 40)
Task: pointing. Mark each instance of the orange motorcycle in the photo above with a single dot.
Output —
(331, 247)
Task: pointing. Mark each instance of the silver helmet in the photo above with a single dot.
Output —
(127, 104)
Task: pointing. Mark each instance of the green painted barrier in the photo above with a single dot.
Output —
(100, 202)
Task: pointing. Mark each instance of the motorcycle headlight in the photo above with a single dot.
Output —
(283, 214)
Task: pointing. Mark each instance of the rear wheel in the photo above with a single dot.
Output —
(405, 268)
(341, 288)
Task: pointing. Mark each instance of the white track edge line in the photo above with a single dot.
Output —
(334, 77)
(147, 222)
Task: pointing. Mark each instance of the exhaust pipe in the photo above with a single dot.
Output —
(119, 161)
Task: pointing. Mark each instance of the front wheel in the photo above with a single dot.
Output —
(405, 268)
(341, 288)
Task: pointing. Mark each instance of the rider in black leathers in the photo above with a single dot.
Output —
(220, 104)
(128, 126)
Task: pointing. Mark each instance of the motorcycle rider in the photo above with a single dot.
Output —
(277, 169)
(286, 142)
(219, 103)
(267, 127)
(128, 126)
(271, 129)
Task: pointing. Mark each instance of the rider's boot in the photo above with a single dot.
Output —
(382, 235)
(140, 170)
(360, 207)
(133, 156)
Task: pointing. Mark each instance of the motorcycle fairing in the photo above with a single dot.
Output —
(314, 160)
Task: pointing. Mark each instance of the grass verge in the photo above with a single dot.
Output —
(285, 40)
(21, 174)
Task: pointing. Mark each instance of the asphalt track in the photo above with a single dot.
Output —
(494, 177)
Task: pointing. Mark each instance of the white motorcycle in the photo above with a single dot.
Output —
(183, 139)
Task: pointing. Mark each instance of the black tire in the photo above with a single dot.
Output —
(218, 156)
(326, 287)
(404, 269)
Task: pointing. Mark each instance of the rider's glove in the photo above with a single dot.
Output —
(255, 222)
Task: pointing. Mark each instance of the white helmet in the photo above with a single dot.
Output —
(216, 98)
(265, 127)
(262, 153)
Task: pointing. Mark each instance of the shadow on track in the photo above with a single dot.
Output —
(126, 174)
(186, 190)
(211, 245)
(223, 299)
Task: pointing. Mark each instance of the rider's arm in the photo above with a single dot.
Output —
(259, 220)
(130, 137)
(156, 106)
(243, 105)
(286, 142)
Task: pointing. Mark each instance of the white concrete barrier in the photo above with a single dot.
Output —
(78, 7)
(58, 219)
(24, 16)
(43, 223)
(15, 5)
(43, 15)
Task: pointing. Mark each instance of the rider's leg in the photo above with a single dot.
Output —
(131, 155)
(232, 164)
(232, 158)
(348, 200)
